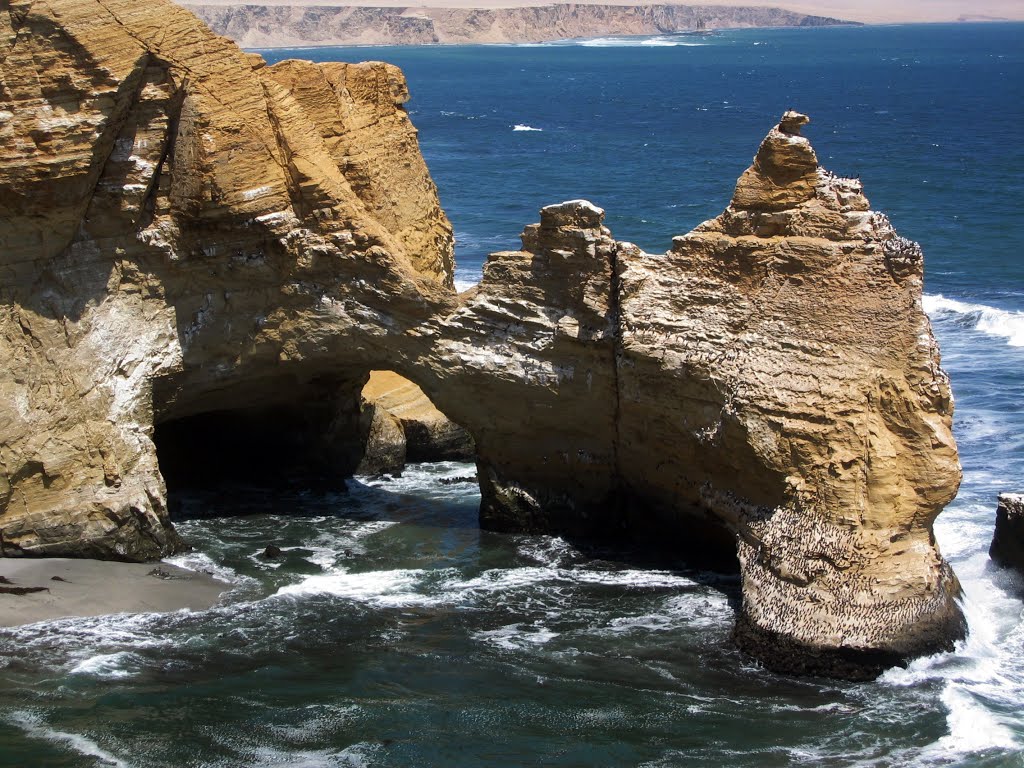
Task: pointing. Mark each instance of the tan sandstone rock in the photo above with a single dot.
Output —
(401, 425)
(170, 210)
(812, 415)
(189, 238)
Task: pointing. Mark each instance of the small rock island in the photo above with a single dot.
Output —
(187, 233)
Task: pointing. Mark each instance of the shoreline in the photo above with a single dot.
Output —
(72, 588)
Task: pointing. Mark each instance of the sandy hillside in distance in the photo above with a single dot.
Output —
(870, 11)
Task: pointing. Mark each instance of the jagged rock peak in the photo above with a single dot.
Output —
(579, 214)
(785, 169)
(792, 122)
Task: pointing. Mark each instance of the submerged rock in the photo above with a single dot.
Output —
(1008, 539)
(186, 232)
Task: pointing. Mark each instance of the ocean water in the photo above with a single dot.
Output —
(395, 633)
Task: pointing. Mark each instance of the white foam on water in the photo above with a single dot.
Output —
(651, 622)
(547, 550)
(637, 42)
(202, 563)
(465, 285)
(34, 726)
(389, 589)
(972, 728)
(516, 637)
(370, 528)
(693, 611)
(503, 580)
(315, 722)
(658, 42)
(984, 668)
(630, 578)
(671, 43)
(524, 127)
(990, 320)
(325, 557)
(425, 481)
(108, 666)
(524, 577)
(135, 630)
(354, 756)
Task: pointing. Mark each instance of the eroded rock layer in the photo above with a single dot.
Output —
(178, 217)
(189, 238)
(809, 410)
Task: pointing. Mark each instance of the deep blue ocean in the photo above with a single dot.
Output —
(395, 633)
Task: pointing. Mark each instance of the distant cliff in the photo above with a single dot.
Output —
(259, 26)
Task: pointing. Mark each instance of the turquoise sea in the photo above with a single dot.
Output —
(395, 633)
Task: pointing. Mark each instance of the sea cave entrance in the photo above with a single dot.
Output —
(287, 435)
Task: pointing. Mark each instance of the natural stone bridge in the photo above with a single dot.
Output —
(185, 231)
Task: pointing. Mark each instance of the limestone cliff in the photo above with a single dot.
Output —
(170, 205)
(190, 239)
(266, 26)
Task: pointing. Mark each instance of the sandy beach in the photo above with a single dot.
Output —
(867, 11)
(96, 588)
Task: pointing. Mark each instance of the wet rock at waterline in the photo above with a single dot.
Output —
(1008, 539)
(193, 239)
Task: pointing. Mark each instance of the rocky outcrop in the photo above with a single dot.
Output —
(277, 25)
(793, 323)
(176, 217)
(189, 238)
(1007, 547)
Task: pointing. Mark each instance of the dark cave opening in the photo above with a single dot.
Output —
(273, 447)
(293, 436)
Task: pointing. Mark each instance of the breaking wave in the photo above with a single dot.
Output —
(980, 317)
(660, 41)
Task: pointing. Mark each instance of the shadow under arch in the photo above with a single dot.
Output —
(289, 433)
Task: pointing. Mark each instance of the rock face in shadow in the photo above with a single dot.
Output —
(1007, 547)
(189, 238)
(255, 25)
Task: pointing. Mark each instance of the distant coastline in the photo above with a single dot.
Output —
(276, 25)
(973, 18)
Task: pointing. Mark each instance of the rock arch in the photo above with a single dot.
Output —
(194, 230)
